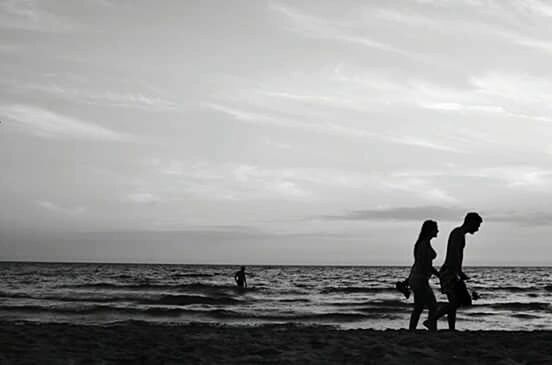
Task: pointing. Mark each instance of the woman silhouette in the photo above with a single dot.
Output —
(421, 272)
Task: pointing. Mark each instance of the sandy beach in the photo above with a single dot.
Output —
(203, 344)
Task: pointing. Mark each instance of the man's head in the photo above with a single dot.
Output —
(472, 222)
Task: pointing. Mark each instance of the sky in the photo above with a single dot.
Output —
(274, 132)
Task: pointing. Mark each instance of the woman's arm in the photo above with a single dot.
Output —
(426, 257)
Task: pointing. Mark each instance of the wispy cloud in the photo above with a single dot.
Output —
(143, 198)
(273, 143)
(135, 100)
(500, 94)
(48, 124)
(511, 176)
(539, 44)
(523, 218)
(318, 27)
(240, 181)
(420, 142)
(283, 121)
(421, 186)
(498, 20)
(508, 95)
(28, 15)
(515, 87)
(439, 213)
(48, 205)
(418, 213)
(329, 128)
(537, 7)
(521, 176)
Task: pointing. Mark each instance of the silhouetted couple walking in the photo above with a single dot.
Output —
(451, 276)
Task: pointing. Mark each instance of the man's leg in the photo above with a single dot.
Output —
(451, 310)
(441, 310)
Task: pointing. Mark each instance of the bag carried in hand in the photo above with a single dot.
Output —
(462, 294)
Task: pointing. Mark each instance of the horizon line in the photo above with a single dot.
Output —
(245, 264)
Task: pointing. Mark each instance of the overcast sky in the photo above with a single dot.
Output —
(310, 132)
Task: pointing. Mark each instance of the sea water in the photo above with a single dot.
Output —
(512, 298)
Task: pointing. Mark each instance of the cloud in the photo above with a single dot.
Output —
(29, 16)
(273, 143)
(538, 44)
(508, 95)
(500, 94)
(320, 28)
(420, 142)
(47, 124)
(403, 214)
(328, 128)
(143, 198)
(441, 214)
(59, 209)
(511, 176)
(523, 218)
(537, 7)
(240, 181)
(286, 183)
(520, 88)
(282, 121)
(451, 106)
(233, 181)
(206, 234)
(310, 98)
(135, 100)
(524, 176)
(421, 186)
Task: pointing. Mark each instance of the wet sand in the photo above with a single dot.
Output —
(138, 342)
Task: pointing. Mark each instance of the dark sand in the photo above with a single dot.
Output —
(193, 344)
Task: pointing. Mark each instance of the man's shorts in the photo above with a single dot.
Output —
(455, 288)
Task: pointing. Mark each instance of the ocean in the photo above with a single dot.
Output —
(512, 298)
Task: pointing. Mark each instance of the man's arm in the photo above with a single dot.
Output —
(461, 245)
(454, 252)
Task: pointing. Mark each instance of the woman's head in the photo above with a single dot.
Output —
(429, 230)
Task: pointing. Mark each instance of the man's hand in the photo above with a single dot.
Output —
(464, 277)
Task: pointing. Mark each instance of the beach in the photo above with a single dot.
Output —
(59, 313)
(140, 342)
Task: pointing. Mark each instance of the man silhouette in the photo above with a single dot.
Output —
(451, 275)
(239, 277)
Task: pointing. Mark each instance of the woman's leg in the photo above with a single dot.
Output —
(423, 297)
(415, 316)
(432, 307)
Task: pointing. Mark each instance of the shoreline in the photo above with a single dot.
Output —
(142, 342)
